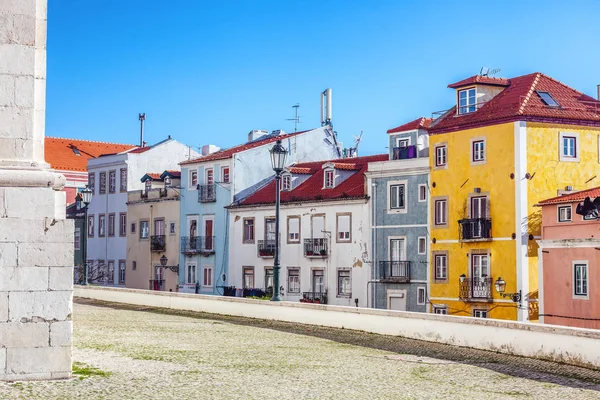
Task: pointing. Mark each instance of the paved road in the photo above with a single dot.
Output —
(129, 353)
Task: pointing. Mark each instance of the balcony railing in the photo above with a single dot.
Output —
(404, 153)
(394, 271)
(207, 193)
(316, 248)
(475, 229)
(475, 289)
(198, 244)
(158, 243)
(265, 248)
(157, 284)
(314, 297)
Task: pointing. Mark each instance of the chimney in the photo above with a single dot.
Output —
(256, 134)
(598, 92)
(209, 149)
(278, 132)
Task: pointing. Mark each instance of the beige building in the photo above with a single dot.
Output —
(153, 233)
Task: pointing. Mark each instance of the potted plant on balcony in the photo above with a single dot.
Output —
(323, 252)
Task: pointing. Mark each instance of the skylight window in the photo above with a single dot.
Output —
(75, 150)
(548, 99)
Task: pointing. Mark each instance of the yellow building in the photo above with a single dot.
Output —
(504, 146)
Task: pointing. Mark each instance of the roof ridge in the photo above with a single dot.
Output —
(529, 92)
(91, 141)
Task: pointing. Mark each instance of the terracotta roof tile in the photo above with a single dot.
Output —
(347, 166)
(173, 173)
(300, 170)
(419, 123)
(61, 153)
(480, 80)
(573, 197)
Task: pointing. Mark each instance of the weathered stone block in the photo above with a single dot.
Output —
(24, 29)
(3, 307)
(16, 123)
(38, 360)
(8, 255)
(45, 255)
(60, 278)
(30, 202)
(27, 7)
(23, 278)
(61, 333)
(17, 60)
(24, 91)
(7, 85)
(31, 334)
(45, 306)
(2, 362)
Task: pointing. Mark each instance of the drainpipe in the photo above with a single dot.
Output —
(373, 243)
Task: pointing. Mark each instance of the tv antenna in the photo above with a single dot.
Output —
(296, 118)
(485, 71)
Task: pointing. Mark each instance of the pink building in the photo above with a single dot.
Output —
(569, 255)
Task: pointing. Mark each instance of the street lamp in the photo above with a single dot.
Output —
(85, 197)
(278, 155)
(501, 287)
(163, 263)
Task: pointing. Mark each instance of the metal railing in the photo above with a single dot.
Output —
(394, 271)
(158, 242)
(475, 228)
(475, 289)
(404, 153)
(316, 247)
(265, 248)
(157, 284)
(314, 297)
(207, 193)
(197, 244)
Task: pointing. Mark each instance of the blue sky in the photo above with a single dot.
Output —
(207, 72)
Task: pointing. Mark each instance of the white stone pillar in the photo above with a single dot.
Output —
(36, 241)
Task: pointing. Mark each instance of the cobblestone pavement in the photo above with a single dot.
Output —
(139, 353)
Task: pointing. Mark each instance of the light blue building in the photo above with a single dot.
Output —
(399, 192)
(223, 177)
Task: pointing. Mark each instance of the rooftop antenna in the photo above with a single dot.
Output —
(296, 119)
(485, 71)
(142, 118)
(326, 108)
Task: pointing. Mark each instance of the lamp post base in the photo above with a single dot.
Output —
(276, 297)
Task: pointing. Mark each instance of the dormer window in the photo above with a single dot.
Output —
(286, 182)
(167, 181)
(466, 101)
(548, 99)
(329, 178)
(148, 185)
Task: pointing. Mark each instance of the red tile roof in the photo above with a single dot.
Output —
(520, 102)
(419, 123)
(573, 197)
(154, 176)
(300, 170)
(141, 150)
(173, 173)
(347, 166)
(60, 152)
(228, 153)
(480, 80)
(312, 188)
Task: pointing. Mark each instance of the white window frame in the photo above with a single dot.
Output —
(347, 236)
(211, 275)
(440, 310)
(441, 156)
(568, 158)
(290, 292)
(286, 182)
(441, 268)
(122, 270)
(442, 211)
(192, 185)
(206, 176)
(291, 239)
(468, 107)
(190, 273)
(340, 292)
(478, 156)
(223, 174)
(403, 139)
(395, 185)
(147, 236)
(421, 290)
(584, 264)
(559, 210)
(481, 313)
(327, 182)
(422, 190)
(421, 239)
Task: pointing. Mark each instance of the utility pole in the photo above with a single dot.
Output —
(142, 118)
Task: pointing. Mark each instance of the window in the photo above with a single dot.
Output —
(112, 181)
(548, 99)
(111, 271)
(122, 224)
(293, 280)
(191, 273)
(134, 265)
(344, 222)
(111, 224)
(440, 310)
(248, 277)
(466, 101)
(148, 185)
(90, 226)
(101, 225)
(193, 179)
(422, 193)
(103, 274)
(122, 271)
(421, 296)
(478, 151)
(77, 239)
(144, 229)
(172, 228)
(133, 227)
(480, 267)
(344, 283)
(270, 229)
(441, 212)
(397, 197)
(92, 182)
(293, 229)
(286, 182)
(480, 313)
(329, 178)
(441, 156)
(102, 183)
(564, 214)
(441, 266)
(123, 181)
(248, 230)
(403, 142)
(210, 176)
(225, 174)
(568, 146)
(580, 279)
(268, 278)
(422, 245)
(207, 277)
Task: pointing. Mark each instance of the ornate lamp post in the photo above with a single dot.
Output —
(501, 287)
(86, 199)
(278, 155)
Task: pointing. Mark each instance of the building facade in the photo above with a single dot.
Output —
(506, 145)
(324, 231)
(569, 260)
(399, 193)
(111, 177)
(221, 178)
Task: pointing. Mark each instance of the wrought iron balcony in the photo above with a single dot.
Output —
(475, 289)
(198, 245)
(265, 248)
(475, 229)
(314, 297)
(158, 243)
(404, 153)
(394, 271)
(207, 193)
(157, 284)
(316, 248)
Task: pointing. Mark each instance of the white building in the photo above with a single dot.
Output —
(111, 176)
(324, 230)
